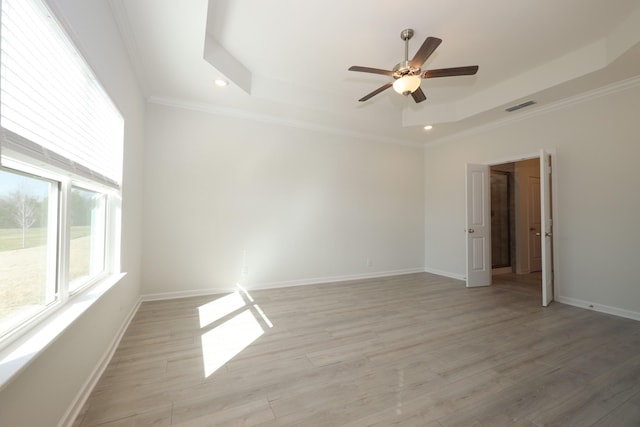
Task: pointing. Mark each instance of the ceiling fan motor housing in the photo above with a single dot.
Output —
(404, 68)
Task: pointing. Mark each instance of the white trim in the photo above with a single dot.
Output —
(85, 391)
(19, 354)
(265, 118)
(539, 110)
(620, 312)
(184, 294)
(332, 279)
(555, 224)
(58, 253)
(445, 274)
(511, 159)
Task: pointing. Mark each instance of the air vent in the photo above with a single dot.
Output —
(519, 106)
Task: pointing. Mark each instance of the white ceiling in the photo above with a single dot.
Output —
(287, 60)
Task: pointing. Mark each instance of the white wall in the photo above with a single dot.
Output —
(294, 205)
(42, 393)
(598, 146)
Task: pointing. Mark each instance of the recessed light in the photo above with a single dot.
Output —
(221, 82)
(428, 127)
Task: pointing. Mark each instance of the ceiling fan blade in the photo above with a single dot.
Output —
(371, 70)
(446, 72)
(418, 95)
(425, 51)
(375, 92)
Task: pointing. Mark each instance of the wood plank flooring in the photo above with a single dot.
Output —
(530, 284)
(411, 350)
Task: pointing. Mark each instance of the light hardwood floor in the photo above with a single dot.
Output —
(411, 350)
(530, 284)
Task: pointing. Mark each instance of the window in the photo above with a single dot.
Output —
(61, 142)
(28, 249)
(86, 236)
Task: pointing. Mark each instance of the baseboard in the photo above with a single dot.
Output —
(76, 406)
(184, 294)
(501, 270)
(620, 312)
(445, 274)
(332, 279)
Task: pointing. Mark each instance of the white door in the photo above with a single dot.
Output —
(535, 225)
(478, 229)
(546, 228)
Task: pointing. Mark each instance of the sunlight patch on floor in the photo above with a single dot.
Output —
(217, 309)
(225, 341)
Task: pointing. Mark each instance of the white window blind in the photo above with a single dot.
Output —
(52, 108)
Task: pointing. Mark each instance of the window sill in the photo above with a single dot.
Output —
(20, 353)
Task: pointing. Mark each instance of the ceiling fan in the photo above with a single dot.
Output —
(407, 74)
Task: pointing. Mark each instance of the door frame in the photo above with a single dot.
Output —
(554, 203)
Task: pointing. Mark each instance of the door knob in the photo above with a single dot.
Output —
(538, 234)
(547, 234)
(471, 230)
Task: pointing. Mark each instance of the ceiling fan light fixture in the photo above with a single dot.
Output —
(406, 85)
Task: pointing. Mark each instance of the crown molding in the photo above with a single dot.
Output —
(543, 109)
(269, 119)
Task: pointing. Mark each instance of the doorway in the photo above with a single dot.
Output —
(509, 224)
(515, 217)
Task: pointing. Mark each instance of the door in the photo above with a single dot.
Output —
(535, 225)
(546, 228)
(478, 227)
